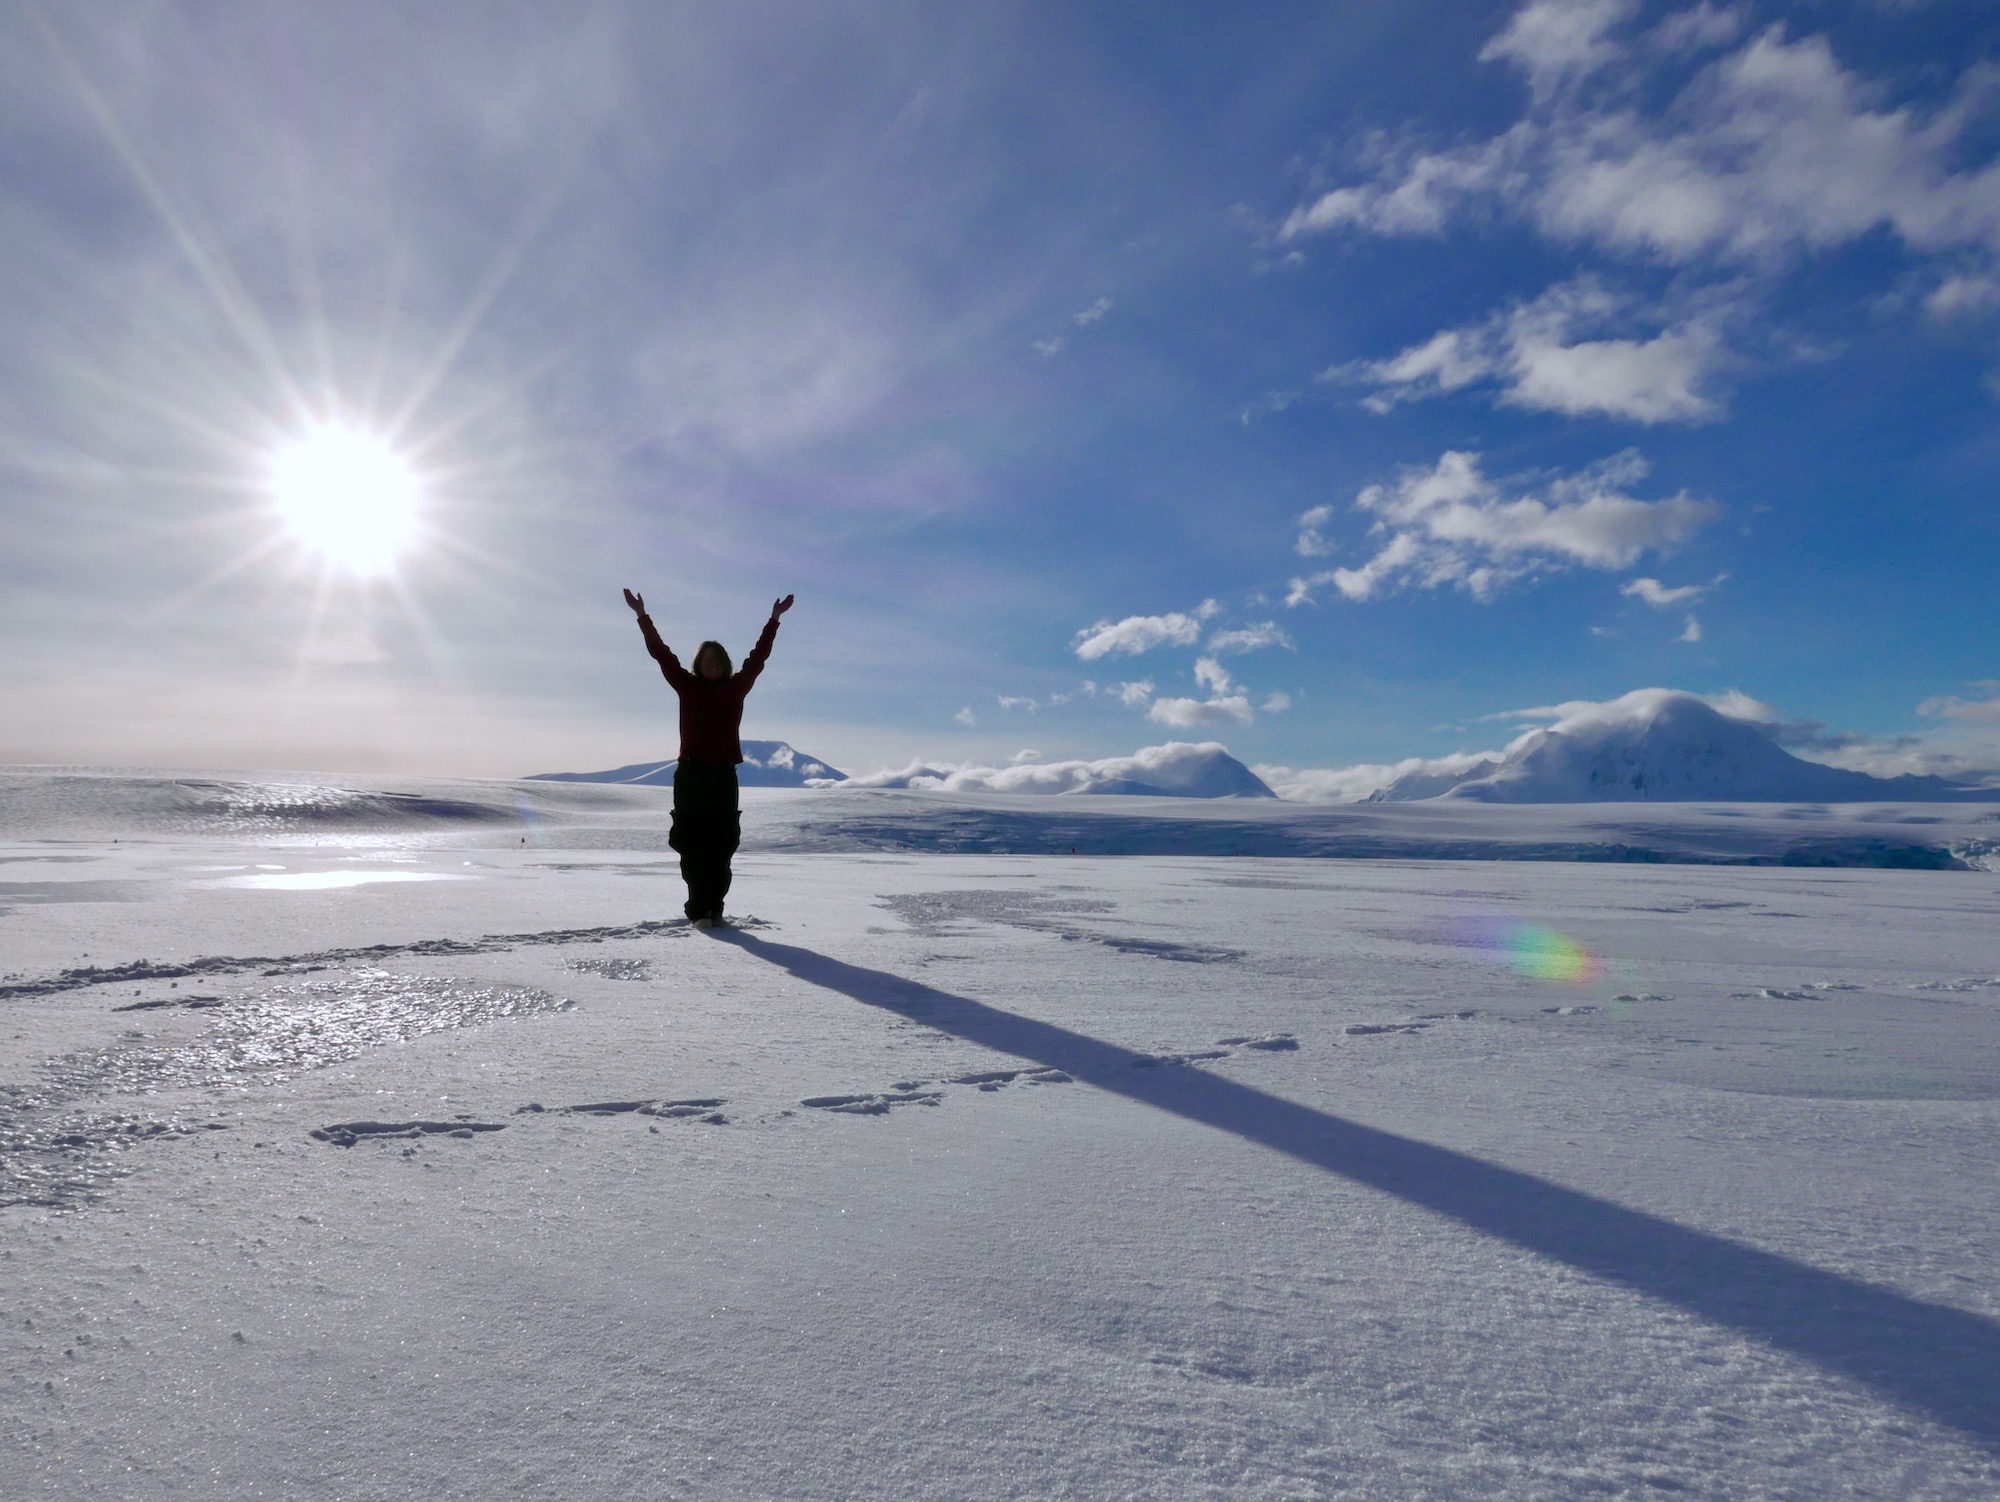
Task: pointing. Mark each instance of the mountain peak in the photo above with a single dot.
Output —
(1657, 745)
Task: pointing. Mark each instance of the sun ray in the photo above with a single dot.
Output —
(505, 264)
(248, 558)
(238, 308)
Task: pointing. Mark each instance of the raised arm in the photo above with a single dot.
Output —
(761, 653)
(670, 665)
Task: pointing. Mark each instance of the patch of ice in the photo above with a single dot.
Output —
(320, 881)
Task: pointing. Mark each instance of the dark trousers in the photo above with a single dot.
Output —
(706, 830)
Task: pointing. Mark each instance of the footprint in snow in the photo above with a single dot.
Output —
(928, 1093)
(1810, 991)
(347, 1133)
(874, 1105)
(1422, 1022)
(704, 1108)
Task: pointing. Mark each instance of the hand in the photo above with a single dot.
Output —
(637, 602)
(779, 607)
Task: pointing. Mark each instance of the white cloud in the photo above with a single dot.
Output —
(1252, 638)
(1770, 150)
(1092, 313)
(1133, 695)
(1692, 631)
(1537, 356)
(1276, 703)
(965, 717)
(1171, 765)
(1017, 701)
(1300, 591)
(1047, 348)
(1355, 783)
(1693, 147)
(1451, 525)
(1964, 296)
(1212, 676)
(1025, 754)
(1656, 594)
(1185, 714)
(1431, 185)
(1141, 633)
(1555, 41)
(1704, 27)
(1639, 705)
(1953, 707)
(1313, 541)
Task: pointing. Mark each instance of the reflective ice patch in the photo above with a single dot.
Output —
(317, 881)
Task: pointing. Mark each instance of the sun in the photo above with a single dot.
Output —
(348, 495)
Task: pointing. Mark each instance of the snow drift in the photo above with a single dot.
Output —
(766, 764)
(1176, 770)
(1656, 745)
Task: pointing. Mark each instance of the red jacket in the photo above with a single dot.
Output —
(711, 713)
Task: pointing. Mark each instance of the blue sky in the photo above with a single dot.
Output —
(1328, 380)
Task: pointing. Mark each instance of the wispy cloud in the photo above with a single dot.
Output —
(1954, 707)
(1451, 525)
(1254, 637)
(1656, 594)
(1142, 633)
(1558, 41)
(1313, 541)
(1087, 316)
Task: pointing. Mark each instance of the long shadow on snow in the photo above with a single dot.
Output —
(1941, 1361)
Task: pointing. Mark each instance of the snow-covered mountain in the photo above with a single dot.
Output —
(1179, 769)
(1657, 745)
(766, 764)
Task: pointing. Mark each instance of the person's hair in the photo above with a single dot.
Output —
(717, 650)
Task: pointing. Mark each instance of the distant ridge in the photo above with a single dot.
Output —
(1660, 745)
(766, 764)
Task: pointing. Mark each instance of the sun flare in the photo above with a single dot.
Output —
(348, 495)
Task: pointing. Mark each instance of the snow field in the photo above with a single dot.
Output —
(1473, 1233)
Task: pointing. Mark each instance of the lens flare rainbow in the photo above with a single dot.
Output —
(1547, 954)
(1534, 950)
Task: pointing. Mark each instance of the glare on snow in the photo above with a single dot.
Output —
(348, 495)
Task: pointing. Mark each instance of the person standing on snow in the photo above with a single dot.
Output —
(707, 823)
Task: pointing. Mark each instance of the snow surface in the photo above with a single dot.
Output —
(994, 1176)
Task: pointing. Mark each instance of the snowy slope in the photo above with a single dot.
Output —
(766, 764)
(1658, 745)
(388, 1165)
